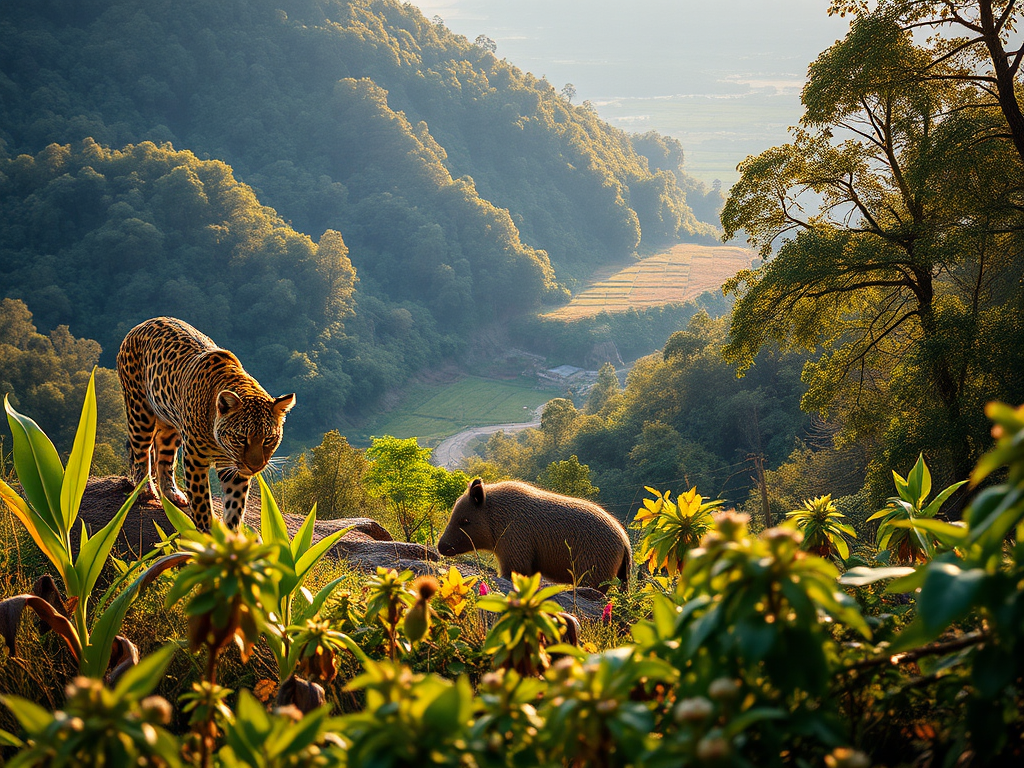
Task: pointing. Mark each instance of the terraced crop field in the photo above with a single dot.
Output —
(676, 275)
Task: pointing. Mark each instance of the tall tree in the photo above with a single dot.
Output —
(894, 214)
(331, 476)
(568, 477)
(972, 41)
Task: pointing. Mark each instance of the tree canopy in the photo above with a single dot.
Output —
(890, 231)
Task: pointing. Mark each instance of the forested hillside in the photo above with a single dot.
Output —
(462, 189)
(683, 419)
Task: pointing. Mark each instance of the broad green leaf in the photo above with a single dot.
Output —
(140, 680)
(312, 555)
(272, 527)
(644, 634)
(948, 594)
(551, 590)
(881, 513)
(93, 552)
(355, 649)
(10, 740)
(321, 597)
(301, 734)
(994, 512)
(253, 716)
(42, 534)
(76, 475)
(861, 576)
(908, 583)
(442, 714)
(938, 501)
(32, 717)
(991, 461)
(666, 613)
(849, 530)
(919, 481)
(304, 536)
(183, 524)
(39, 469)
(902, 487)
(495, 604)
(568, 650)
(841, 546)
(949, 534)
(755, 637)
(96, 656)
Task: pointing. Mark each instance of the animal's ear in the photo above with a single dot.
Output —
(284, 403)
(227, 401)
(476, 491)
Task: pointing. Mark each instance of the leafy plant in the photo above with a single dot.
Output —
(237, 578)
(907, 524)
(100, 726)
(54, 494)
(508, 724)
(974, 577)
(594, 708)
(527, 622)
(755, 611)
(257, 739)
(389, 596)
(670, 529)
(296, 557)
(823, 534)
(409, 719)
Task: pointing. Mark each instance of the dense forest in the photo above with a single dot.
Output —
(419, 188)
(683, 419)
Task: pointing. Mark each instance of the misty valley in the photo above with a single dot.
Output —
(522, 440)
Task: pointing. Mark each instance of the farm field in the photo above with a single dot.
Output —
(433, 412)
(676, 275)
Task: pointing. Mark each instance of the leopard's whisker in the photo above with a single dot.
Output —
(275, 468)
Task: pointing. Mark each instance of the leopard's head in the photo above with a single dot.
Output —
(248, 429)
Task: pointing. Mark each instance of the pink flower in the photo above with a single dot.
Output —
(482, 589)
(606, 615)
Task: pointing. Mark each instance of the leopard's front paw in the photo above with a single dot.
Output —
(148, 492)
(177, 498)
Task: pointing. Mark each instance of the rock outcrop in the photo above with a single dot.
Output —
(367, 546)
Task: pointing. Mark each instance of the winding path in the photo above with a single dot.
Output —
(452, 450)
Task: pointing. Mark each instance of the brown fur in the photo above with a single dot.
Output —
(531, 530)
(182, 390)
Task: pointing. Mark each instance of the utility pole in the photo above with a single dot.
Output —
(766, 510)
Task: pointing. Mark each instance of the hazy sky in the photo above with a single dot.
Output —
(722, 76)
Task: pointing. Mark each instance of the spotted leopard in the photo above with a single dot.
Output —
(181, 389)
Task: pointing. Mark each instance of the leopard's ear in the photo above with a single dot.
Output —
(284, 403)
(227, 401)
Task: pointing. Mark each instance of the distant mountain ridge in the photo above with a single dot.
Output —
(465, 190)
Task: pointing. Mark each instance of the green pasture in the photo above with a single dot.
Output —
(432, 412)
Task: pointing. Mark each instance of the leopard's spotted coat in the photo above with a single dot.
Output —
(181, 389)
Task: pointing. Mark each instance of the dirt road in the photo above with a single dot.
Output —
(450, 453)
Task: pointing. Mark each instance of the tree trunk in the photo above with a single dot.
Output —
(1004, 77)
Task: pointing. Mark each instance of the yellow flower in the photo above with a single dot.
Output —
(454, 589)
